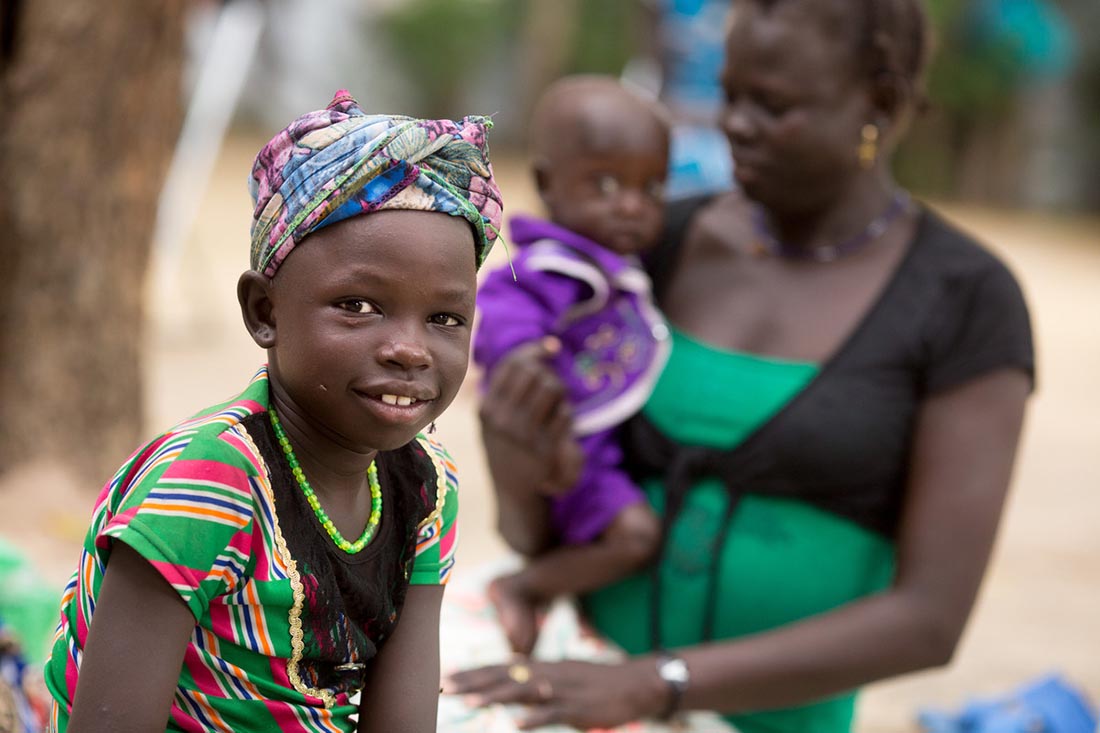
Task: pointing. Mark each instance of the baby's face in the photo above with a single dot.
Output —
(373, 319)
(611, 190)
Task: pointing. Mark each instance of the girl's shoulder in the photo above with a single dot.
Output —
(441, 477)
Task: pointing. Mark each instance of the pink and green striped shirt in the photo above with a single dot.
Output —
(198, 504)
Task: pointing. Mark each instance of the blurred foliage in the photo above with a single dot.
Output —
(967, 78)
(439, 44)
(988, 56)
(442, 45)
(604, 40)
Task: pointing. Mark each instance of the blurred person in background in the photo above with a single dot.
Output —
(685, 38)
(832, 439)
(600, 161)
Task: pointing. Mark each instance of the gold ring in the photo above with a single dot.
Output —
(545, 690)
(520, 673)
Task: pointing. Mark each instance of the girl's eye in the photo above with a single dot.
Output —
(608, 185)
(358, 305)
(445, 319)
(655, 189)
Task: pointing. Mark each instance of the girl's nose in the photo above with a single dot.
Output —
(405, 351)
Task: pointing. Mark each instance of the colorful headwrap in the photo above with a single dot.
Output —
(338, 162)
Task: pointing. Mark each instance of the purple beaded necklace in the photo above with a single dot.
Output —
(767, 244)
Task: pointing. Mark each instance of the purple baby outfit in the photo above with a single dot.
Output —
(614, 345)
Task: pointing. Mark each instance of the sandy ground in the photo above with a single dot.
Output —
(1039, 610)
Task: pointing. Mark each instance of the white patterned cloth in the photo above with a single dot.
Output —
(471, 637)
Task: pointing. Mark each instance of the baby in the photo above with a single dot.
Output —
(600, 159)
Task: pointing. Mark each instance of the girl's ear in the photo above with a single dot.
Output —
(254, 295)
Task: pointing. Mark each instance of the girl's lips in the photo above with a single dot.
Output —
(398, 414)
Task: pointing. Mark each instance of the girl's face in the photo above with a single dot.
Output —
(794, 105)
(372, 320)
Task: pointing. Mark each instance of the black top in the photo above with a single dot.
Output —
(351, 601)
(950, 312)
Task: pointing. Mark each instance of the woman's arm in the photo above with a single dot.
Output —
(526, 430)
(964, 447)
(963, 452)
(134, 651)
(402, 694)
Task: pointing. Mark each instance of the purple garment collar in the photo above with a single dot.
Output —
(528, 229)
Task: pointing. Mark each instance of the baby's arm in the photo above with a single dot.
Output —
(134, 650)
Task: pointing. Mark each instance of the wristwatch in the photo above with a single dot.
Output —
(674, 671)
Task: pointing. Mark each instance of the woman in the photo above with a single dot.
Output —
(831, 442)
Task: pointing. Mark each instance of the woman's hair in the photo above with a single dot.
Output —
(889, 38)
(894, 43)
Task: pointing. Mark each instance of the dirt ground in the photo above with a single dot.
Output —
(1039, 610)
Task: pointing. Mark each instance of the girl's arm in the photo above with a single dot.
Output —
(963, 452)
(402, 694)
(134, 650)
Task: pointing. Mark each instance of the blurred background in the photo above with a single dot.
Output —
(127, 131)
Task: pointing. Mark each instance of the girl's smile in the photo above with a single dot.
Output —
(397, 403)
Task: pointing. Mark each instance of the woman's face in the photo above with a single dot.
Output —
(795, 105)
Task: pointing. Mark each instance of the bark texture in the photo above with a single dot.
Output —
(89, 112)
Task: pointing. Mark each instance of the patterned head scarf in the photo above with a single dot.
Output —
(338, 162)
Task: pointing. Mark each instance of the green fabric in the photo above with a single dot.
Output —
(782, 561)
(28, 605)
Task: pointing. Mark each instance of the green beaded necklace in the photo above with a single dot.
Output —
(375, 495)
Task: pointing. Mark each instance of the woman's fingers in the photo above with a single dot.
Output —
(524, 395)
(543, 715)
(474, 680)
(498, 684)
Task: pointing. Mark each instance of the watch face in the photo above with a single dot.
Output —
(674, 670)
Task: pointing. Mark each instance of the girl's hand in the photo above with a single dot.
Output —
(581, 694)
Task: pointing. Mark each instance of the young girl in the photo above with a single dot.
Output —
(601, 156)
(248, 569)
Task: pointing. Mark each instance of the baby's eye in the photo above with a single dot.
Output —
(357, 305)
(608, 185)
(773, 104)
(655, 189)
(445, 319)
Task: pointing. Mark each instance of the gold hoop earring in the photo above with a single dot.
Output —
(868, 146)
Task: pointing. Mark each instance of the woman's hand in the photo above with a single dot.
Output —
(526, 422)
(581, 694)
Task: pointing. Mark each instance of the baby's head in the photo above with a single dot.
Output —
(366, 238)
(601, 156)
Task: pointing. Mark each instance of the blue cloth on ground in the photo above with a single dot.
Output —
(1046, 705)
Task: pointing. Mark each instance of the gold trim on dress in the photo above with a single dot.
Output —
(440, 480)
(297, 637)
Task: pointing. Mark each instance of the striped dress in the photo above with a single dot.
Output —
(198, 503)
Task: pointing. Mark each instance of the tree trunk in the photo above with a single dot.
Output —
(89, 111)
